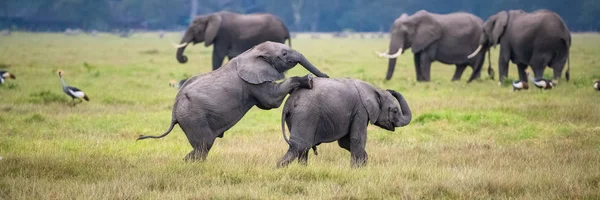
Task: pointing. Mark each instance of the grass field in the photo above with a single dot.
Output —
(466, 141)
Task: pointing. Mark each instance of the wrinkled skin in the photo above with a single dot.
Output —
(209, 104)
(231, 34)
(536, 39)
(448, 38)
(339, 109)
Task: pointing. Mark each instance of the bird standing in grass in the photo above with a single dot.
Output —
(541, 83)
(520, 85)
(5, 75)
(73, 92)
(175, 84)
(597, 85)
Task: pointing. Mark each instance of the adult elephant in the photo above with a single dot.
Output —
(536, 39)
(209, 104)
(447, 38)
(231, 34)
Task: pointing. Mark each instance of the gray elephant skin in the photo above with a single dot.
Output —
(231, 34)
(537, 39)
(339, 109)
(207, 105)
(447, 38)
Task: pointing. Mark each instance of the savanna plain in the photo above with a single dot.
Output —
(466, 141)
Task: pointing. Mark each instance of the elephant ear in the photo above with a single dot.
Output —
(370, 99)
(212, 28)
(500, 22)
(428, 31)
(253, 68)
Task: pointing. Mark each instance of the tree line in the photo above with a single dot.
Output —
(299, 15)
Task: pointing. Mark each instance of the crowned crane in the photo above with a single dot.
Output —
(520, 85)
(177, 85)
(73, 92)
(5, 75)
(541, 83)
(597, 85)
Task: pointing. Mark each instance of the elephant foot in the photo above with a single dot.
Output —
(359, 163)
(286, 159)
(306, 81)
(195, 155)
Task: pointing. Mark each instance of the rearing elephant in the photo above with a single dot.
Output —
(231, 34)
(447, 38)
(539, 39)
(209, 104)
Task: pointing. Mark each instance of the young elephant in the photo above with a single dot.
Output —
(339, 109)
(207, 105)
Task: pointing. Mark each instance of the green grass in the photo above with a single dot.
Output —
(466, 141)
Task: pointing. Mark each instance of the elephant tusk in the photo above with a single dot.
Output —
(474, 53)
(386, 55)
(380, 54)
(177, 46)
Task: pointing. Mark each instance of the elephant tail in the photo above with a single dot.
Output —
(173, 122)
(283, 126)
(568, 74)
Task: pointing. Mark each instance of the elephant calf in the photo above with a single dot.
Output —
(207, 105)
(339, 109)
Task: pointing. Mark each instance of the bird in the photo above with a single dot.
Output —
(175, 84)
(73, 92)
(5, 75)
(520, 85)
(541, 83)
(597, 85)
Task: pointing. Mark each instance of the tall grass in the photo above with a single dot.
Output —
(467, 141)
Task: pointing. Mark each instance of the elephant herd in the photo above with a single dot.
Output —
(322, 109)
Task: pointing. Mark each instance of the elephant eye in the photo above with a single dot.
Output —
(284, 53)
(395, 110)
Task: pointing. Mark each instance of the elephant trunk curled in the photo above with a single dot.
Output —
(187, 38)
(406, 114)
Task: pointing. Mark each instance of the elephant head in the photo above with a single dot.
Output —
(203, 29)
(416, 31)
(387, 109)
(268, 61)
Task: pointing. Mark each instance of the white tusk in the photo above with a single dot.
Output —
(385, 55)
(380, 54)
(474, 53)
(177, 46)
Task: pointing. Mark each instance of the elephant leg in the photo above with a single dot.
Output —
(425, 68)
(358, 140)
(217, 59)
(300, 141)
(557, 65)
(417, 60)
(538, 64)
(270, 95)
(200, 136)
(303, 158)
(458, 72)
(503, 61)
(522, 74)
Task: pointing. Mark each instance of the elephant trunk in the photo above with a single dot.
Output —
(187, 38)
(310, 67)
(406, 114)
(395, 46)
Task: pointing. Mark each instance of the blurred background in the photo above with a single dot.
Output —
(299, 15)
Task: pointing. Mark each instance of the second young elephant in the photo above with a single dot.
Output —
(339, 109)
(447, 38)
(209, 104)
(231, 34)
